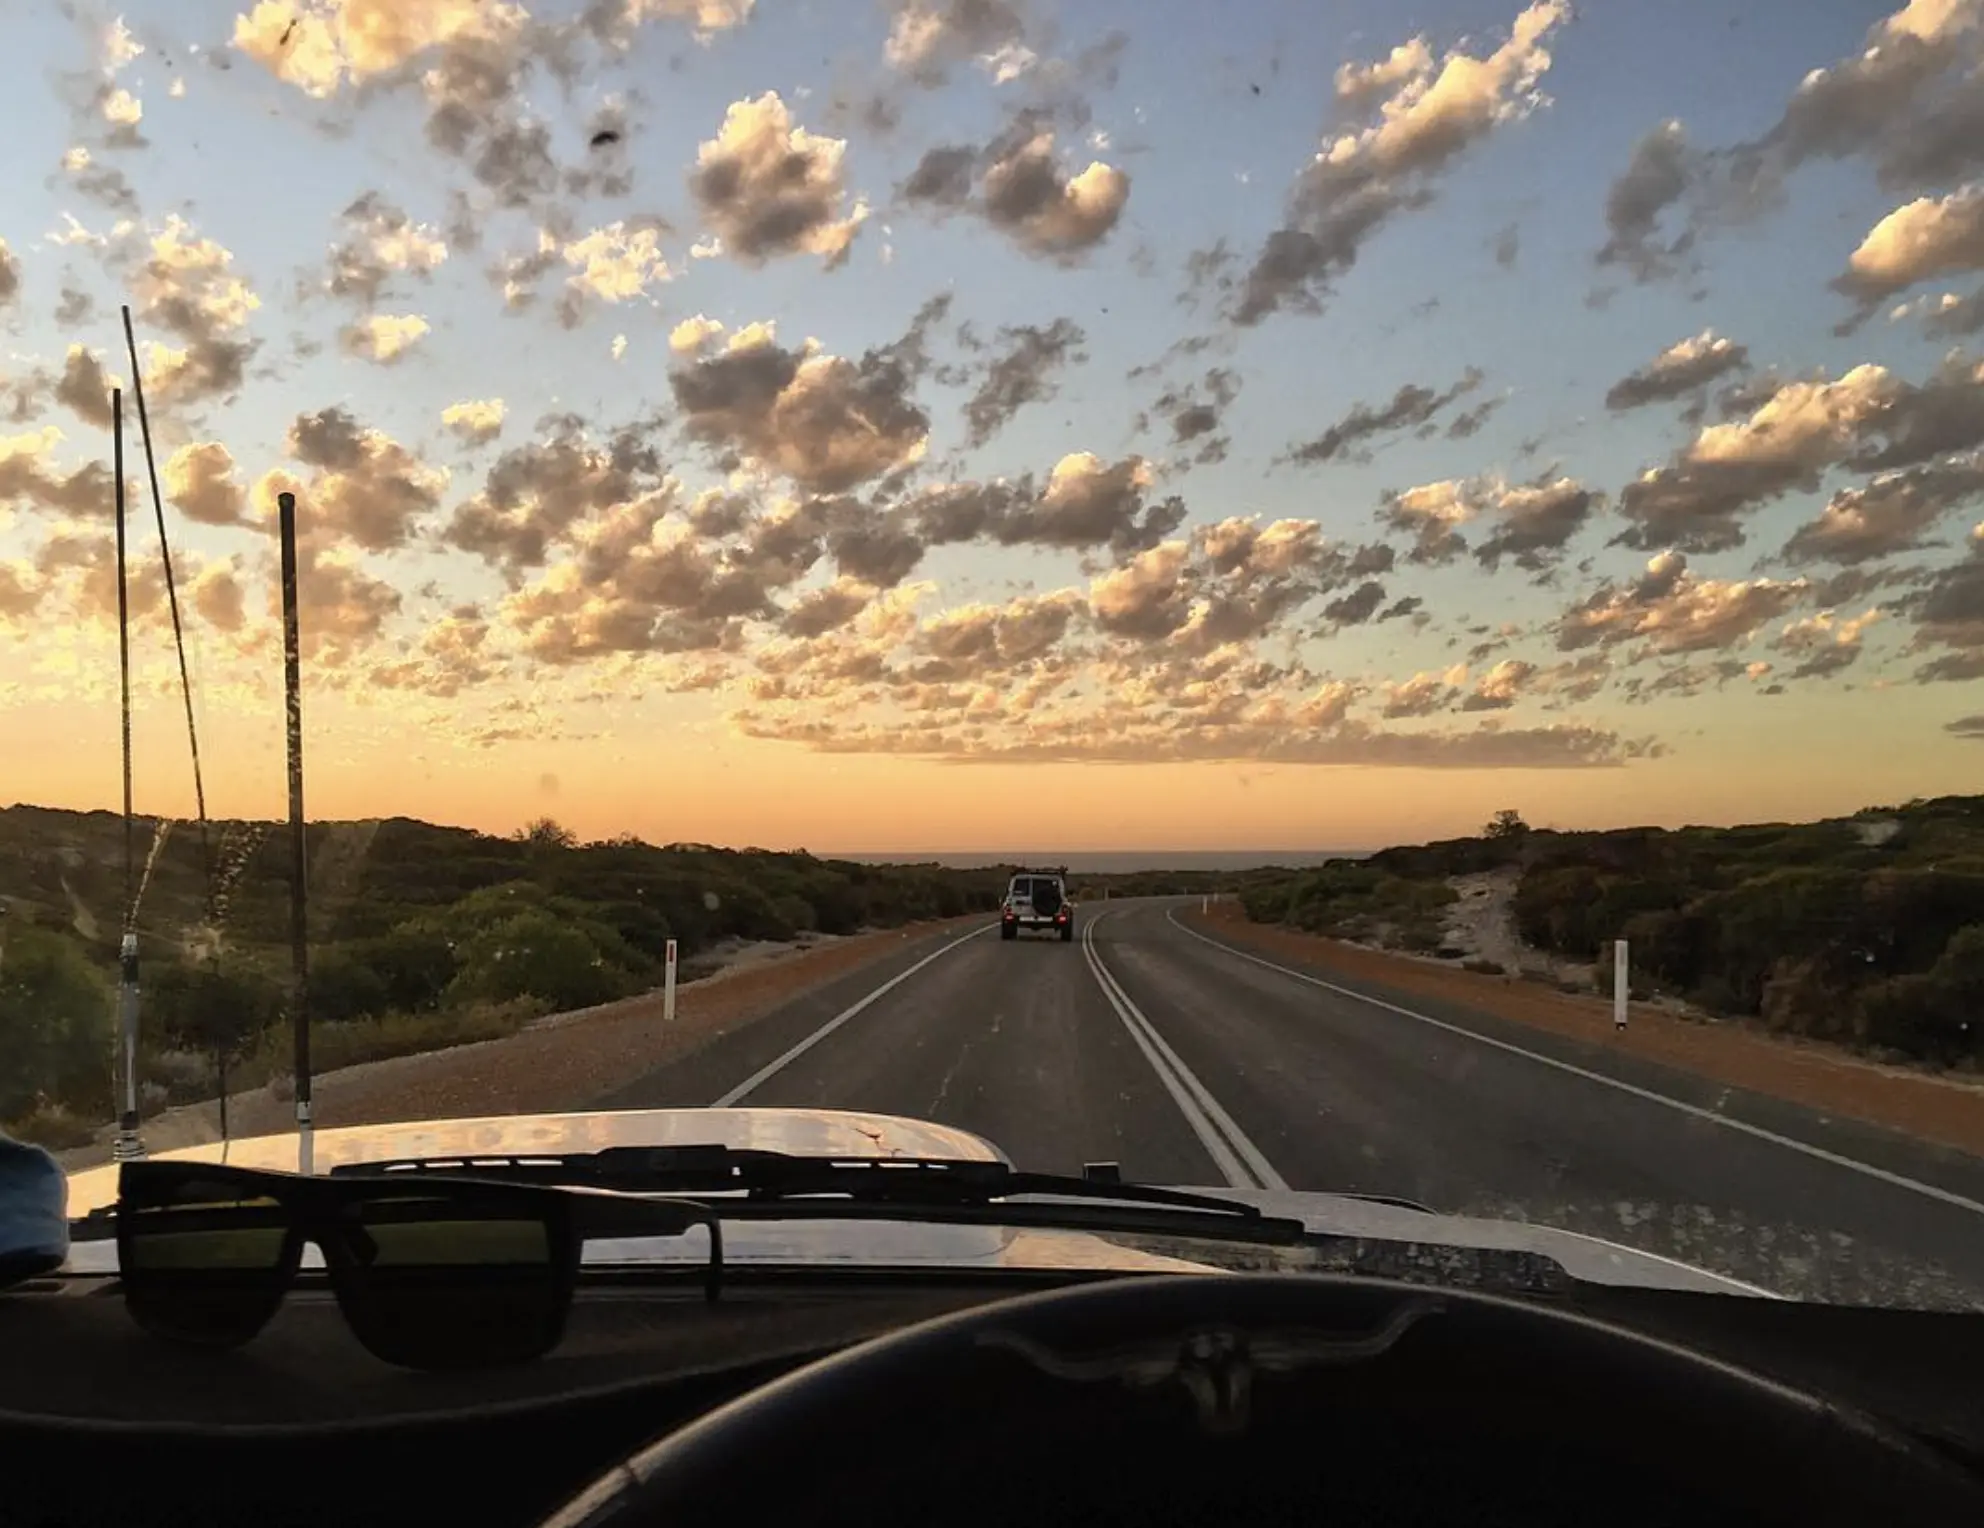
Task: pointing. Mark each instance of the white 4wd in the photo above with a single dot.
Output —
(1038, 900)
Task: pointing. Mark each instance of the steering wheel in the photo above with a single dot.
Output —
(1266, 1398)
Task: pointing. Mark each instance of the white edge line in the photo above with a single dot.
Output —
(1897, 1180)
(770, 1069)
(1222, 1155)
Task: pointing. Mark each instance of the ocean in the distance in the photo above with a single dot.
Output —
(1118, 861)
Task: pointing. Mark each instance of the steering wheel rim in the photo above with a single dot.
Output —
(1221, 1356)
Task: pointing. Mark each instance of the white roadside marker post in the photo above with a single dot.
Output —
(1618, 984)
(668, 983)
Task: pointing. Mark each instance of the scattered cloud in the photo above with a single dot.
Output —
(1021, 373)
(383, 337)
(769, 188)
(1418, 117)
(826, 423)
(1411, 407)
(1685, 367)
(1022, 186)
(1672, 610)
(475, 420)
(1891, 513)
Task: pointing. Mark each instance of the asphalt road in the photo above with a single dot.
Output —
(1188, 1062)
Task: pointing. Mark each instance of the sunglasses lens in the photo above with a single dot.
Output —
(453, 1281)
(203, 1261)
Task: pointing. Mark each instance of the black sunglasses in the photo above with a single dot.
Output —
(430, 1273)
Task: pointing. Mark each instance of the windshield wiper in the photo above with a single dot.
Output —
(781, 1185)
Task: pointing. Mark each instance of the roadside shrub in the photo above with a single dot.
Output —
(56, 1026)
(534, 955)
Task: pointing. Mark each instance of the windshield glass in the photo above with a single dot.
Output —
(579, 555)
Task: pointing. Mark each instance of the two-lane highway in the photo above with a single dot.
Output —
(1191, 1062)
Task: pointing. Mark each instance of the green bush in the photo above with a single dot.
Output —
(532, 954)
(57, 1026)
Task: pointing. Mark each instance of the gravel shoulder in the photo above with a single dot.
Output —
(1947, 1111)
(560, 1063)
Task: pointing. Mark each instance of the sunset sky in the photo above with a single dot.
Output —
(908, 425)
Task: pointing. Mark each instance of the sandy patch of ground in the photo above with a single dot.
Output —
(562, 1062)
(1945, 1110)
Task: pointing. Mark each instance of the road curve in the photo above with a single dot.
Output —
(1188, 1061)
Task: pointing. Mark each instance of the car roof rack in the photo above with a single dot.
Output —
(1060, 870)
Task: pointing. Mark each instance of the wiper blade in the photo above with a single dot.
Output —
(783, 1176)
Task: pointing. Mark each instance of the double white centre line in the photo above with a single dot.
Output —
(1236, 1157)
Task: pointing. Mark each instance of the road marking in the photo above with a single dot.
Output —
(1238, 1158)
(772, 1068)
(1896, 1180)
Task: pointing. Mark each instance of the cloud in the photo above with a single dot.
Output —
(1431, 514)
(453, 655)
(383, 337)
(1947, 316)
(1195, 413)
(1673, 610)
(26, 476)
(1532, 522)
(828, 609)
(217, 597)
(768, 188)
(188, 286)
(982, 684)
(84, 387)
(1418, 117)
(1085, 503)
(1906, 102)
(1949, 613)
(1022, 373)
(101, 183)
(536, 493)
(198, 479)
(641, 580)
(1695, 503)
(1930, 236)
(21, 590)
(1682, 368)
(1891, 513)
(1966, 726)
(826, 423)
(1092, 739)
(366, 490)
(381, 242)
(1413, 405)
(618, 263)
(1231, 582)
(926, 39)
(1356, 607)
(10, 275)
(474, 420)
(1026, 190)
(1501, 687)
(1824, 645)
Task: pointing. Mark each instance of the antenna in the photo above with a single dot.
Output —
(127, 1144)
(172, 598)
(299, 930)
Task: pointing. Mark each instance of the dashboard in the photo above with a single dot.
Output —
(102, 1424)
